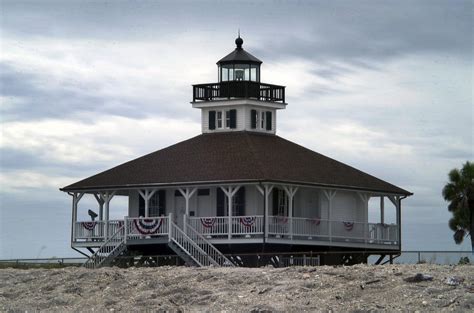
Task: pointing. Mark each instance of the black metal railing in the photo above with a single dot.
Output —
(239, 90)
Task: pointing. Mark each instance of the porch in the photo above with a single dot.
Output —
(242, 230)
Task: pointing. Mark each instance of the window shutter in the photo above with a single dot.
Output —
(162, 202)
(239, 208)
(220, 203)
(233, 118)
(212, 120)
(275, 201)
(269, 120)
(141, 206)
(253, 119)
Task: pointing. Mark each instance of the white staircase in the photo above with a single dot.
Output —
(190, 245)
(108, 251)
(194, 249)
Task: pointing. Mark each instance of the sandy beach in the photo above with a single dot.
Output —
(341, 289)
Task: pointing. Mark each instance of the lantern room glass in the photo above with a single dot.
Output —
(239, 72)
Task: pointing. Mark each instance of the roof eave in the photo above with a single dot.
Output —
(401, 192)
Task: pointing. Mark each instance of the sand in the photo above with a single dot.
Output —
(341, 289)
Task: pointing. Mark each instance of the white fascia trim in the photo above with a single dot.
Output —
(236, 102)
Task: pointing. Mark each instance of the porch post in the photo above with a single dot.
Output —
(382, 210)
(267, 189)
(187, 194)
(396, 202)
(146, 195)
(330, 194)
(101, 206)
(230, 192)
(365, 201)
(76, 196)
(107, 196)
(290, 192)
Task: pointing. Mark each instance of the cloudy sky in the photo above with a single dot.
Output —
(384, 86)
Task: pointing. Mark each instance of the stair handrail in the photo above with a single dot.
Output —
(97, 259)
(208, 247)
(190, 247)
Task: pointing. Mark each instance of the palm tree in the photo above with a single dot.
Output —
(459, 192)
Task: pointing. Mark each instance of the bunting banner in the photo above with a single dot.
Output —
(88, 225)
(282, 220)
(247, 221)
(348, 225)
(315, 221)
(208, 222)
(147, 226)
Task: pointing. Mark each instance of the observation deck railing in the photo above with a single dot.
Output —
(238, 90)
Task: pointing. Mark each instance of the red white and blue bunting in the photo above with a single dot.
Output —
(315, 221)
(247, 221)
(348, 225)
(88, 225)
(208, 222)
(147, 226)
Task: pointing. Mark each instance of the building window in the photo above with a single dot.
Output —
(280, 202)
(227, 119)
(223, 119)
(219, 119)
(156, 204)
(261, 120)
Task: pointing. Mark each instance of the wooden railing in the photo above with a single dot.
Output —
(239, 89)
(146, 227)
(211, 226)
(215, 255)
(189, 247)
(110, 249)
(320, 229)
(217, 227)
(95, 230)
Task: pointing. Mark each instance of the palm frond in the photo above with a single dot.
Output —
(459, 236)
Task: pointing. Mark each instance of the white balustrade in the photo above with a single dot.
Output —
(217, 227)
(146, 227)
(210, 226)
(310, 227)
(95, 230)
(383, 233)
(278, 225)
(345, 231)
(247, 225)
(349, 231)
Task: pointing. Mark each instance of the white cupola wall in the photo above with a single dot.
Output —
(238, 115)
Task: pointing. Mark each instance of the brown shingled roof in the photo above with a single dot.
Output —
(234, 157)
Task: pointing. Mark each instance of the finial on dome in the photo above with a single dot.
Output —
(239, 41)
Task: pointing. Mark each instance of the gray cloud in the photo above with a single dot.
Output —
(70, 99)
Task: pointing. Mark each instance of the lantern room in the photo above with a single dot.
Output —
(239, 78)
(239, 65)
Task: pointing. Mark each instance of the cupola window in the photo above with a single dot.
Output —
(224, 119)
(261, 120)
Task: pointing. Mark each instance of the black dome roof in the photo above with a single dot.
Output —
(239, 55)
